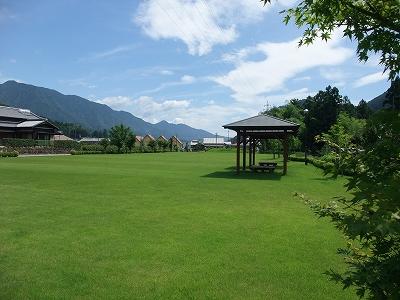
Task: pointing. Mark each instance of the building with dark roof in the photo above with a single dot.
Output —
(24, 124)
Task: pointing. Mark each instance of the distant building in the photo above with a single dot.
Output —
(162, 138)
(90, 140)
(138, 140)
(24, 124)
(147, 138)
(193, 143)
(216, 142)
(176, 142)
(61, 137)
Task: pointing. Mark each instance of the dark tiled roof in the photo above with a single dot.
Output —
(262, 121)
(18, 113)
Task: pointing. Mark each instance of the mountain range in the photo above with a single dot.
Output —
(377, 103)
(91, 115)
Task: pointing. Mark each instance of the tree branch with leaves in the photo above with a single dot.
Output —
(373, 24)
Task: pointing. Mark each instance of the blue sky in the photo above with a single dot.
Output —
(200, 62)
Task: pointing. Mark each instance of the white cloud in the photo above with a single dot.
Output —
(4, 78)
(333, 74)
(207, 115)
(178, 121)
(185, 79)
(81, 82)
(280, 99)
(200, 24)
(369, 79)
(302, 78)
(6, 14)
(251, 80)
(110, 52)
(166, 72)
(116, 102)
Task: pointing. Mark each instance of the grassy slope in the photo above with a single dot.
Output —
(173, 225)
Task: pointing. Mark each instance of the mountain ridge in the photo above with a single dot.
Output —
(56, 106)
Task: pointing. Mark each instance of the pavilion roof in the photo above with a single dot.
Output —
(260, 122)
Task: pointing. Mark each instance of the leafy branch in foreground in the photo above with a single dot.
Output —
(370, 219)
(374, 24)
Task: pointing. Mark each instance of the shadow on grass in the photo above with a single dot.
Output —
(324, 178)
(231, 174)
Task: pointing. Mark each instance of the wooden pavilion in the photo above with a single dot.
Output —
(250, 131)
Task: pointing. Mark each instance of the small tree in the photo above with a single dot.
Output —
(142, 146)
(130, 141)
(122, 137)
(104, 143)
(153, 145)
(362, 110)
(162, 145)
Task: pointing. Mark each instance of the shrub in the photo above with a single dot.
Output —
(299, 159)
(92, 147)
(76, 152)
(9, 154)
(319, 163)
(16, 143)
(111, 149)
(66, 144)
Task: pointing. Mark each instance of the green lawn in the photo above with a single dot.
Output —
(162, 226)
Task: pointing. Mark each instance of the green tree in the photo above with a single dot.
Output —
(122, 137)
(162, 145)
(373, 24)
(104, 143)
(343, 135)
(370, 220)
(152, 145)
(362, 110)
(323, 110)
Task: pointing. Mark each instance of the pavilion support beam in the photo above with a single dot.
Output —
(244, 151)
(238, 152)
(285, 153)
(250, 151)
(254, 151)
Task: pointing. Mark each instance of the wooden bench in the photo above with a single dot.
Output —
(263, 168)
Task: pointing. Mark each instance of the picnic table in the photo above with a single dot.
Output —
(268, 163)
(264, 166)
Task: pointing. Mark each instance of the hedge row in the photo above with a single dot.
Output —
(319, 163)
(92, 147)
(9, 154)
(110, 149)
(314, 161)
(16, 143)
(38, 150)
(77, 152)
(23, 143)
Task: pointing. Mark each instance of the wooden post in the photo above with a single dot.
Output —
(254, 151)
(238, 152)
(285, 154)
(250, 151)
(244, 151)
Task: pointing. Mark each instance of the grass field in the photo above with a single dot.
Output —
(162, 226)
